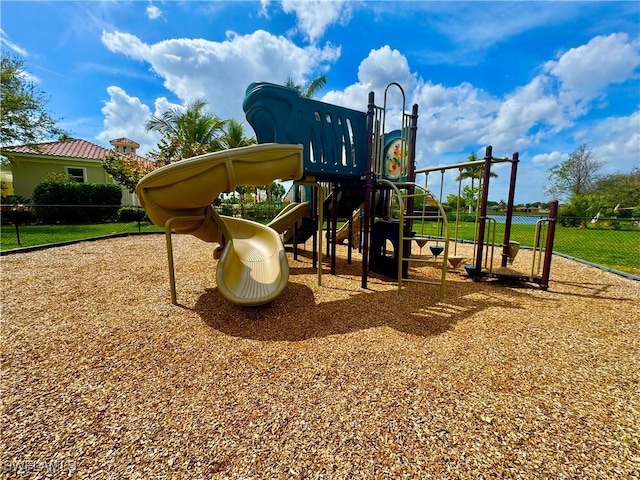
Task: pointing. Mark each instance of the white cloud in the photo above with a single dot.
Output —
(264, 8)
(126, 116)
(549, 159)
(586, 71)
(11, 45)
(382, 66)
(527, 109)
(617, 142)
(473, 27)
(315, 16)
(221, 71)
(451, 118)
(454, 119)
(479, 25)
(153, 12)
(130, 45)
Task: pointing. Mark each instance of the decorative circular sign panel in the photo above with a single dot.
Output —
(395, 159)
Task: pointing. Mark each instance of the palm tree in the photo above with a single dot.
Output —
(312, 88)
(473, 172)
(233, 135)
(186, 133)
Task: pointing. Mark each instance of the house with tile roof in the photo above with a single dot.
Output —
(79, 158)
(124, 145)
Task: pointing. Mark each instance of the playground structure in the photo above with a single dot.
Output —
(252, 267)
(343, 165)
(485, 242)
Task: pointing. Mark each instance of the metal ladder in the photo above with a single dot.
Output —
(402, 192)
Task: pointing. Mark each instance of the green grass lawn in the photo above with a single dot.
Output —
(32, 235)
(616, 249)
(611, 248)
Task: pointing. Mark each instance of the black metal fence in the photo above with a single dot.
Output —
(612, 243)
(24, 226)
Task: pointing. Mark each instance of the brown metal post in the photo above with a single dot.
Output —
(411, 177)
(314, 214)
(477, 273)
(368, 188)
(295, 240)
(411, 154)
(548, 250)
(509, 216)
(349, 239)
(334, 227)
(296, 198)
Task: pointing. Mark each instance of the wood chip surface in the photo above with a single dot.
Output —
(102, 378)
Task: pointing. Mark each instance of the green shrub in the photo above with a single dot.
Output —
(227, 209)
(568, 216)
(261, 212)
(15, 200)
(132, 214)
(462, 217)
(75, 203)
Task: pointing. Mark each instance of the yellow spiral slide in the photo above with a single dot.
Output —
(253, 268)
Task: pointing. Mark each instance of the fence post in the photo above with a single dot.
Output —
(548, 251)
(18, 233)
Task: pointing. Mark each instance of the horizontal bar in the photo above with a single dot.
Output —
(461, 165)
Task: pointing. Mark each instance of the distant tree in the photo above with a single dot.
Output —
(451, 203)
(57, 177)
(473, 172)
(23, 117)
(470, 196)
(313, 87)
(620, 190)
(127, 170)
(243, 191)
(580, 208)
(233, 136)
(576, 176)
(274, 190)
(186, 133)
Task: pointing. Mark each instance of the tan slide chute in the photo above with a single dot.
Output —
(342, 234)
(253, 268)
(290, 215)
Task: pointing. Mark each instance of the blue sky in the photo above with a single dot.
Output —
(539, 78)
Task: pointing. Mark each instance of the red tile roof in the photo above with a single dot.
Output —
(72, 148)
(124, 141)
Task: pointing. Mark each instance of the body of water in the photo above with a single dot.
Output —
(517, 219)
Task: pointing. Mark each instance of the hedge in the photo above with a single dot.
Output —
(74, 203)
